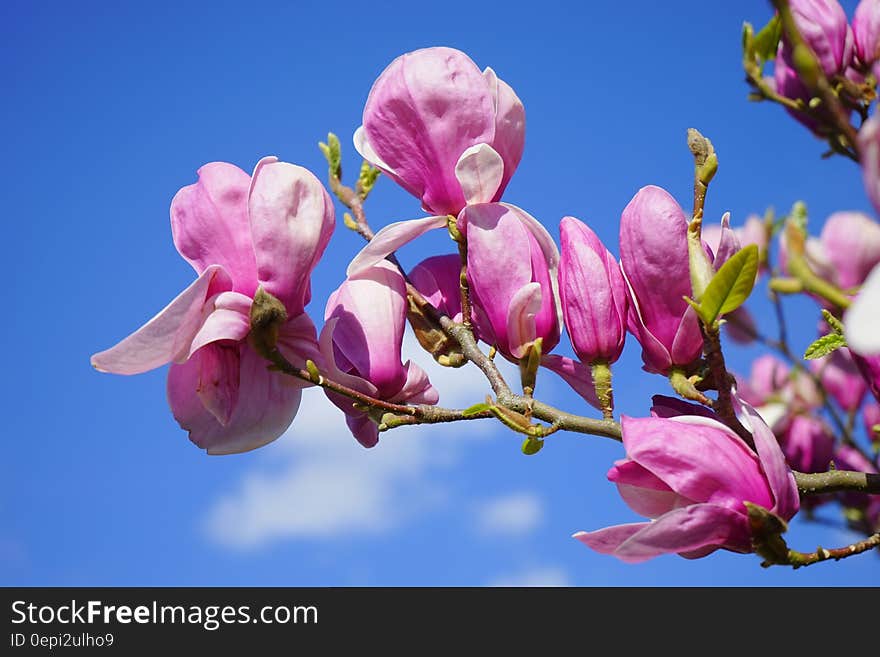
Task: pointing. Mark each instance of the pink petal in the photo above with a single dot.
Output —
(575, 374)
(549, 250)
(417, 389)
(424, 110)
(728, 243)
(687, 345)
(266, 405)
(229, 320)
(510, 126)
(698, 458)
(655, 356)
(297, 340)
(493, 229)
(168, 335)
(218, 386)
(521, 319)
(643, 492)
(291, 220)
(209, 222)
(479, 171)
(688, 529)
(389, 239)
(776, 470)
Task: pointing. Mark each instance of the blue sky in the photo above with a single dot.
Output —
(111, 107)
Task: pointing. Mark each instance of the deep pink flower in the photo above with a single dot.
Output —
(654, 259)
(593, 294)
(808, 444)
(239, 233)
(691, 475)
(851, 244)
(443, 130)
(361, 343)
(841, 378)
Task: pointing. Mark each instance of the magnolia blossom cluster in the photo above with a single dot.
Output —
(452, 136)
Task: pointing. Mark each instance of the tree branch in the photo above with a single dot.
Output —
(835, 481)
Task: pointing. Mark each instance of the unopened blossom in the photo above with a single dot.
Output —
(866, 30)
(240, 233)
(511, 269)
(851, 244)
(593, 294)
(823, 26)
(841, 378)
(445, 131)
(361, 342)
(807, 443)
(654, 259)
(778, 392)
(691, 476)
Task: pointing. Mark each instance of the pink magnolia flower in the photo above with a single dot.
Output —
(866, 30)
(808, 444)
(442, 129)
(515, 296)
(841, 378)
(239, 233)
(654, 260)
(691, 475)
(593, 294)
(361, 343)
(851, 244)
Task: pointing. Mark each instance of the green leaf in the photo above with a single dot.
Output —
(532, 446)
(730, 286)
(824, 346)
(833, 322)
(367, 179)
(766, 41)
(476, 409)
(332, 151)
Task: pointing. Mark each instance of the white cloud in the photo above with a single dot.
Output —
(514, 514)
(328, 485)
(540, 576)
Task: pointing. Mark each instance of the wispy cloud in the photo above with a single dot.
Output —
(329, 485)
(514, 514)
(539, 576)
